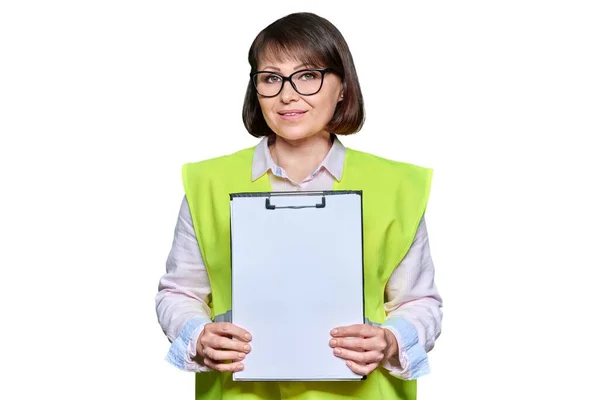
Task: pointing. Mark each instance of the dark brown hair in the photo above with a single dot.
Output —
(312, 40)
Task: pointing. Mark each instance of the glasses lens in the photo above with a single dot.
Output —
(307, 82)
(267, 84)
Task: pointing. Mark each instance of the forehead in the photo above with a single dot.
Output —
(285, 66)
(289, 56)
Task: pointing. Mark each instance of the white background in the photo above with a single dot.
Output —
(101, 102)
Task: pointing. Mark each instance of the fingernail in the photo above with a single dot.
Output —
(247, 348)
(240, 367)
(247, 336)
(241, 355)
(349, 363)
(334, 332)
(333, 342)
(337, 351)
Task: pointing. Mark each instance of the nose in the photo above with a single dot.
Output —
(288, 93)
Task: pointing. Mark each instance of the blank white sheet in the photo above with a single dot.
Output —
(296, 274)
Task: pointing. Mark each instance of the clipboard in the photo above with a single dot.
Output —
(297, 272)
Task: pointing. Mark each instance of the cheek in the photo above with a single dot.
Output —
(266, 107)
(327, 106)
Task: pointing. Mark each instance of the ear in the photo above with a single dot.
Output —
(341, 97)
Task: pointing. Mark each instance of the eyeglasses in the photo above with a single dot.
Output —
(306, 82)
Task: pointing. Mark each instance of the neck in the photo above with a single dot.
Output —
(299, 158)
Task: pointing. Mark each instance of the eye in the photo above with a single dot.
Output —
(307, 76)
(271, 78)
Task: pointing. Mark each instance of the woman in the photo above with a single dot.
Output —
(304, 92)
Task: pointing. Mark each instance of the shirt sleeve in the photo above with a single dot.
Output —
(182, 299)
(414, 309)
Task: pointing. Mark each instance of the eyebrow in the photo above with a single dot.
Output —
(277, 69)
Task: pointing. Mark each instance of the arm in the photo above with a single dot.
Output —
(181, 302)
(413, 309)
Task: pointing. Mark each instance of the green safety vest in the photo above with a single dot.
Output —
(395, 196)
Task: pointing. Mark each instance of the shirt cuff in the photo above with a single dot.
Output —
(412, 361)
(183, 348)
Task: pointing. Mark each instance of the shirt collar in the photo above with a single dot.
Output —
(333, 161)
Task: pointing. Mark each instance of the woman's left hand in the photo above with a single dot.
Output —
(363, 346)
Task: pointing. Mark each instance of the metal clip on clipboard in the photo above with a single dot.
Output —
(270, 206)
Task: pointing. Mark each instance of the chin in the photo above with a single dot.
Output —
(295, 134)
(294, 137)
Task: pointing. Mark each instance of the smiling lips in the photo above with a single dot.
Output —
(291, 114)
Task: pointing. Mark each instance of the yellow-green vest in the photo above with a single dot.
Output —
(394, 200)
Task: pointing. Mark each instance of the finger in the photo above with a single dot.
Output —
(351, 343)
(361, 369)
(359, 330)
(220, 355)
(221, 367)
(359, 344)
(224, 343)
(359, 357)
(229, 329)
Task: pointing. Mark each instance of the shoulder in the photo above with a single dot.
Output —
(378, 164)
(217, 163)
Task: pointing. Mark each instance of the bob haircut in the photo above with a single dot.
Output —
(316, 42)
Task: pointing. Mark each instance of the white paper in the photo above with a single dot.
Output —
(296, 274)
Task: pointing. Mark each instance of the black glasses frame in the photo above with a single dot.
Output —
(284, 79)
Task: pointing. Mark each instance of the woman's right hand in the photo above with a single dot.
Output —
(222, 346)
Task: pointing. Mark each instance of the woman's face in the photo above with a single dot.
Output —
(296, 117)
